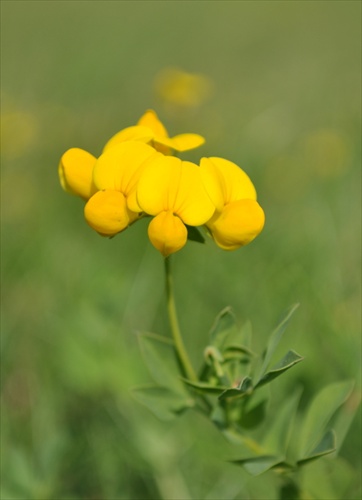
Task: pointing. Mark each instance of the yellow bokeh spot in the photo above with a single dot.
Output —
(19, 133)
(327, 153)
(183, 89)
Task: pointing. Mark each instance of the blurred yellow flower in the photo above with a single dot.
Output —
(172, 191)
(19, 131)
(238, 218)
(150, 130)
(115, 175)
(177, 87)
(327, 153)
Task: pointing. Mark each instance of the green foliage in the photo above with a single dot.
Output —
(239, 406)
(169, 398)
(322, 408)
(194, 234)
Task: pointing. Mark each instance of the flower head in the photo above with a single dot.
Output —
(238, 217)
(150, 130)
(172, 191)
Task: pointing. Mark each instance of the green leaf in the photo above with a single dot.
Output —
(325, 446)
(330, 479)
(245, 335)
(275, 339)
(289, 491)
(204, 387)
(289, 360)
(238, 352)
(160, 357)
(254, 416)
(219, 418)
(322, 408)
(193, 234)
(345, 417)
(244, 388)
(278, 434)
(223, 325)
(259, 464)
(162, 401)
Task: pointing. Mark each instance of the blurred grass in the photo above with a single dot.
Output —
(286, 107)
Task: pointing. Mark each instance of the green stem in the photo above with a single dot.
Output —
(175, 329)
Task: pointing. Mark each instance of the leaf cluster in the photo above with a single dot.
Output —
(233, 392)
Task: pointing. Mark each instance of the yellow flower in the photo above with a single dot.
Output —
(115, 175)
(150, 130)
(76, 172)
(183, 89)
(238, 218)
(173, 192)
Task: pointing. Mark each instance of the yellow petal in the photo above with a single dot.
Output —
(151, 120)
(167, 233)
(169, 184)
(238, 224)
(180, 143)
(107, 213)
(236, 183)
(158, 185)
(119, 167)
(185, 142)
(192, 202)
(136, 133)
(75, 172)
(214, 183)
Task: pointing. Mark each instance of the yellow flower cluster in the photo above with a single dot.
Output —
(136, 175)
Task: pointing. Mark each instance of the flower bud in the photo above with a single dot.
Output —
(75, 172)
(167, 233)
(237, 225)
(106, 212)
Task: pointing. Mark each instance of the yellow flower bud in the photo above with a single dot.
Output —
(76, 171)
(237, 225)
(106, 212)
(167, 233)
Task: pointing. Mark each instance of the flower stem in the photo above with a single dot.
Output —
(175, 329)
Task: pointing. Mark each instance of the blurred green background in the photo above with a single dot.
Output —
(285, 106)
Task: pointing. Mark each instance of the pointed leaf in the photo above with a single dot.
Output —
(327, 445)
(333, 479)
(275, 339)
(160, 357)
(289, 360)
(345, 417)
(238, 352)
(246, 333)
(278, 434)
(254, 416)
(259, 464)
(163, 402)
(204, 387)
(194, 234)
(322, 408)
(223, 325)
(245, 388)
